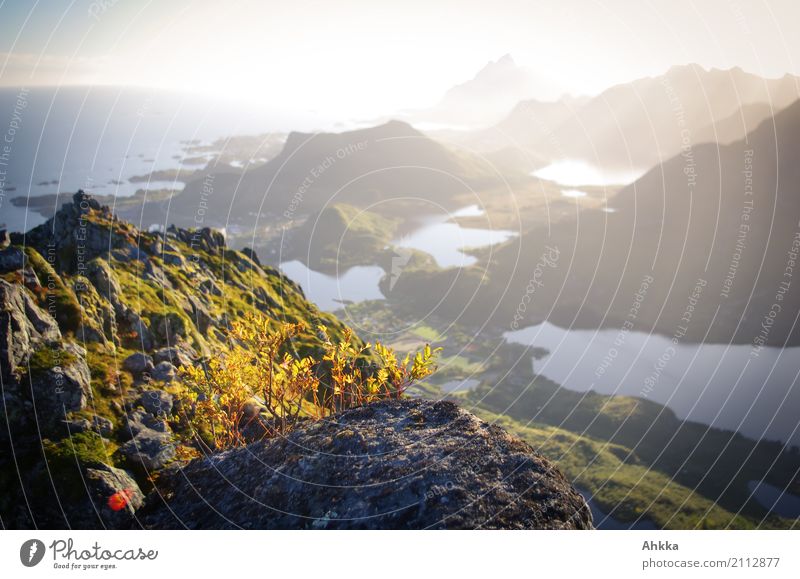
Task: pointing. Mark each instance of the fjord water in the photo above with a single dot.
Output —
(434, 234)
(575, 172)
(727, 386)
(445, 239)
(92, 138)
(330, 292)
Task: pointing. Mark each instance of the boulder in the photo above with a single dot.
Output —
(251, 253)
(138, 421)
(138, 363)
(102, 425)
(407, 464)
(105, 282)
(156, 402)
(164, 372)
(174, 355)
(209, 286)
(200, 314)
(77, 425)
(63, 388)
(149, 449)
(11, 259)
(139, 327)
(22, 325)
(114, 493)
(168, 329)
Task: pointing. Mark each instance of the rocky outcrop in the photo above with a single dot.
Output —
(23, 326)
(149, 449)
(62, 388)
(41, 374)
(405, 464)
(114, 494)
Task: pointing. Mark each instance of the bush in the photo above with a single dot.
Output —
(260, 362)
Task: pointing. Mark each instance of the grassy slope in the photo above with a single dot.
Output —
(673, 471)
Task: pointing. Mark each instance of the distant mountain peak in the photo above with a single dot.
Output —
(489, 95)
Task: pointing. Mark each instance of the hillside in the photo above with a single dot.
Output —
(361, 167)
(339, 237)
(103, 330)
(97, 319)
(641, 123)
(724, 215)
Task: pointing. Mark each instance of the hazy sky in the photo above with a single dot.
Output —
(372, 55)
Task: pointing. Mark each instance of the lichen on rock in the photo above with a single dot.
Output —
(407, 464)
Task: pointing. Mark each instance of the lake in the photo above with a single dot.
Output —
(445, 239)
(575, 172)
(96, 138)
(774, 499)
(330, 292)
(714, 384)
(434, 234)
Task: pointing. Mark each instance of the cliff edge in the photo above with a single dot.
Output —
(407, 464)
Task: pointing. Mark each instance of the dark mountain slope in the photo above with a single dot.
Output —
(641, 123)
(362, 167)
(724, 218)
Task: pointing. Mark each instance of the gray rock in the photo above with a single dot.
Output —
(175, 259)
(72, 234)
(63, 388)
(30, 280)
(168, 329)
(156, 245)
(156, 274)
(45, 326)
(22, 326)
(209, 286)
(105, 282)
(138, 325)
(102, 426)
(174, 355)
(11, 259)
(90, 333)
(200, 314)
(407, 464)
(138, 363)
(164, 372)
(115, 495)
(251, 253)
(138, 421)
(152, 450)
(78, 425)
(156, 402)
